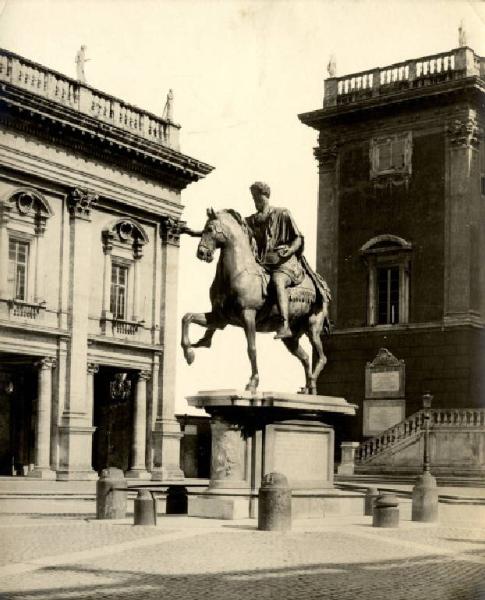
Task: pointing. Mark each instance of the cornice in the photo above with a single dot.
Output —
(446, 325)
(333, 114)
(63, 126)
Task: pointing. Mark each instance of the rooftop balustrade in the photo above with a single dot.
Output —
(80, 97)
(411, 74)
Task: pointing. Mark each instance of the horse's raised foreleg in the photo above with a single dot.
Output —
(293, 345)
(315, 328)
(205, 341)
(249, 324)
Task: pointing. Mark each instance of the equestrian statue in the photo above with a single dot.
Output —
(263, 283)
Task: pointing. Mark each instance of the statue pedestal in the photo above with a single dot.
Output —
(255, 434)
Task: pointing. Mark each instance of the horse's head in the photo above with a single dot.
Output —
(211, 238)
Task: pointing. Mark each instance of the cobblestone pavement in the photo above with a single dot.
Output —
(339, 557)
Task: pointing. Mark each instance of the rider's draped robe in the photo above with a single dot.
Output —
(268, 233)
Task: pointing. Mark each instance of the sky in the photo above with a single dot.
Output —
(241, 72)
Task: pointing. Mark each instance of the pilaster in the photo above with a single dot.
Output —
(461, 189)
(328, 216)
(76, 425)
(166, 435)
(5, 210)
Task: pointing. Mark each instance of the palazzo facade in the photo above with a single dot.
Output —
(401, 242)
(90, 216)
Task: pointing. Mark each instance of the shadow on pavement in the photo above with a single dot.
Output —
(423, 577)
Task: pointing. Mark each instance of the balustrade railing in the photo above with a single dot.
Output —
(26, 310)
(125, 327)
(84, 99)
(424, 71)
(411, 427)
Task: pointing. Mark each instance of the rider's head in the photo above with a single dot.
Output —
(260, 192)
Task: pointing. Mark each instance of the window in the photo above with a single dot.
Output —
(391, 155)
(18, 262)
(119, 284)
(388, 261)
(388, 295)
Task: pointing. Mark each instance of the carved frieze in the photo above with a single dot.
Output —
(227, 453)
(79, 203)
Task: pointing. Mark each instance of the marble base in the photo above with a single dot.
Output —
(73, 475)
(40, 473)
(305, 504)
(256, 434)
(138, 474)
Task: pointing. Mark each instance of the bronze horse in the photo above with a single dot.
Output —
(240, 296)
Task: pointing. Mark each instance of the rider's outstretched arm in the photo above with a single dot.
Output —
(186, 229)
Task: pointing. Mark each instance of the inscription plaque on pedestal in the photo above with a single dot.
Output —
(384, 403)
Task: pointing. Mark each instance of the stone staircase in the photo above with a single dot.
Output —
(392, 446)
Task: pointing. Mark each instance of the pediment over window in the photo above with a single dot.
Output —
(382, 244)
(27, 205)
(125, 232)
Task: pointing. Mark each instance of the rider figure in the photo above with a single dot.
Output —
(278, 247)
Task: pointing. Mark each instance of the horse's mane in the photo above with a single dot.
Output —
(239, 220)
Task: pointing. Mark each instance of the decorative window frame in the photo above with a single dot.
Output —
(396, 175)
(123, 241)
(24, 215)
(386, 251)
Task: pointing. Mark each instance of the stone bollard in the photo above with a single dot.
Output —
(274, 506)
(386, 511)
(177, 500)
(370, 497)
(111, 493)
(425, 499)
(145, 509)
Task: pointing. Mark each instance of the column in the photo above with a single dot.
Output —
(92, 369)
(107, 249)
(4, 219)
(138, 445)
(137, 254)
(166, 434)
(39, 260)
(42, 468)
(76, 427)
(460, 196)
(327, 227)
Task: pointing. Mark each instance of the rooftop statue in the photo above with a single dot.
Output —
(262, 283)
(81, 60)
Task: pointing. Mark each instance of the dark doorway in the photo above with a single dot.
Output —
(113, 418)
(18, 389)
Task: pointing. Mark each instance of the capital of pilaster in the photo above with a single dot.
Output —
(79, 203)
(137, 250)
(40, 225)
(108, 237)
(170, 230)
(144, 375)
(464, 133)
(92, 368)
(5, 210)
(326, 156)
(48, 362)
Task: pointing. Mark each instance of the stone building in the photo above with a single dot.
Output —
(90, 207)
(401, 241)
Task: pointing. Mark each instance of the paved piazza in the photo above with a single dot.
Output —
(61, 557)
